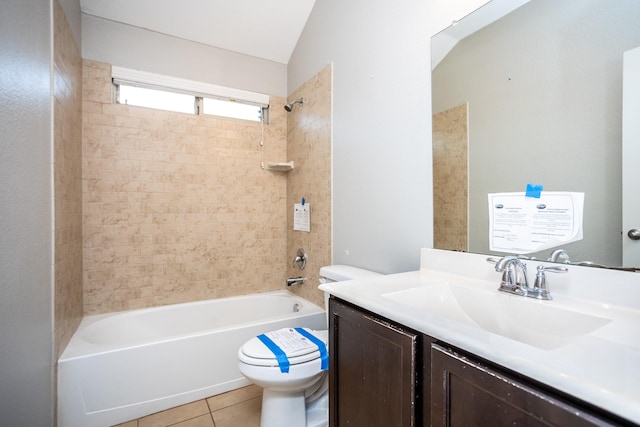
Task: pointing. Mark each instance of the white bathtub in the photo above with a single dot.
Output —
(125, 365)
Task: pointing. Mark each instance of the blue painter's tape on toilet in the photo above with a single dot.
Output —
(281, 357)
(324, 354)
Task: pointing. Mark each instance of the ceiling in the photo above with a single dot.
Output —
(444, 41)
(267, 29)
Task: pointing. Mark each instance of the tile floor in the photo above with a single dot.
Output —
(237, 408)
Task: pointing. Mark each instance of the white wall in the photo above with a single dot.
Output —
(382, 179)
(132, 47)
(26, 224)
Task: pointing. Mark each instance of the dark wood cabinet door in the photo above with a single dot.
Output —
(465, 393)
(372, 370)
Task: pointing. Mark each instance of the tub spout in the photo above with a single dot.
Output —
(295, 281)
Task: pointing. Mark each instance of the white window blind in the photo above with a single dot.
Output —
(128, 76)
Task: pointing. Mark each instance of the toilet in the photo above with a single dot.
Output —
(291, 364)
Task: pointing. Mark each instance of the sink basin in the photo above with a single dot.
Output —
(538, 323)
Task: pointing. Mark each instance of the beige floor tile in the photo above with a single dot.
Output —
(233, 397)
(246, 414)
(201, 421)
(175, 415)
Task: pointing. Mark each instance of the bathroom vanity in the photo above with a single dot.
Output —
(441, 346)
(385, 374)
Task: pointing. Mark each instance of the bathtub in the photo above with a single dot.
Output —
(125, 365)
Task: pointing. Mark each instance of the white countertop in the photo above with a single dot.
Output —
(601, 367)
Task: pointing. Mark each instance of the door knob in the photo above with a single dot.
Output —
(634, 234)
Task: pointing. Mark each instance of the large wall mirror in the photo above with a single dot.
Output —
(533, 97)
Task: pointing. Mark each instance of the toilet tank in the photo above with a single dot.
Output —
(340, 273)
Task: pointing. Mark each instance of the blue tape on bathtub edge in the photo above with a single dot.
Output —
(281, 357)
(324, 355)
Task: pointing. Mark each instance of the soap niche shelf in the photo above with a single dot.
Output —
(280, 166)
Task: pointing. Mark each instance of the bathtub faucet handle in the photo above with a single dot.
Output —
(300, 260)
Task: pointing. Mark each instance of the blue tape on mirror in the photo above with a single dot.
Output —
(534, 191)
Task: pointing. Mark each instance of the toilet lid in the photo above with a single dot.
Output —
(296, 347)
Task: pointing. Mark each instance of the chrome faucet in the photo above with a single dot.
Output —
(295, 281)
(514, 275)
(300, 260)
(559, 254)
(514, 278)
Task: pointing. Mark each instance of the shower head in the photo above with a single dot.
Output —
(289, 106)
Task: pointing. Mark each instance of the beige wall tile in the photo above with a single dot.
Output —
(309, 146)
(450, 179)
(176, 207)
(67, 181)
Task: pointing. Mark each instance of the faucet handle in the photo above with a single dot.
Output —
(300, 260)
(514, 275)
(541, 286)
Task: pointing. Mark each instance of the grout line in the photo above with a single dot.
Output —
(192, 418)
(213, 420)
(209, 408)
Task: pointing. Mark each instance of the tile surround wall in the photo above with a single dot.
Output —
(176, 207)
(450, 178)
(309, 146)
(67, 172)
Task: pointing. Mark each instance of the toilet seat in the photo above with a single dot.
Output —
(255, 352)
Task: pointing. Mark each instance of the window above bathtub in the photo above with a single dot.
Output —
(143, 89)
